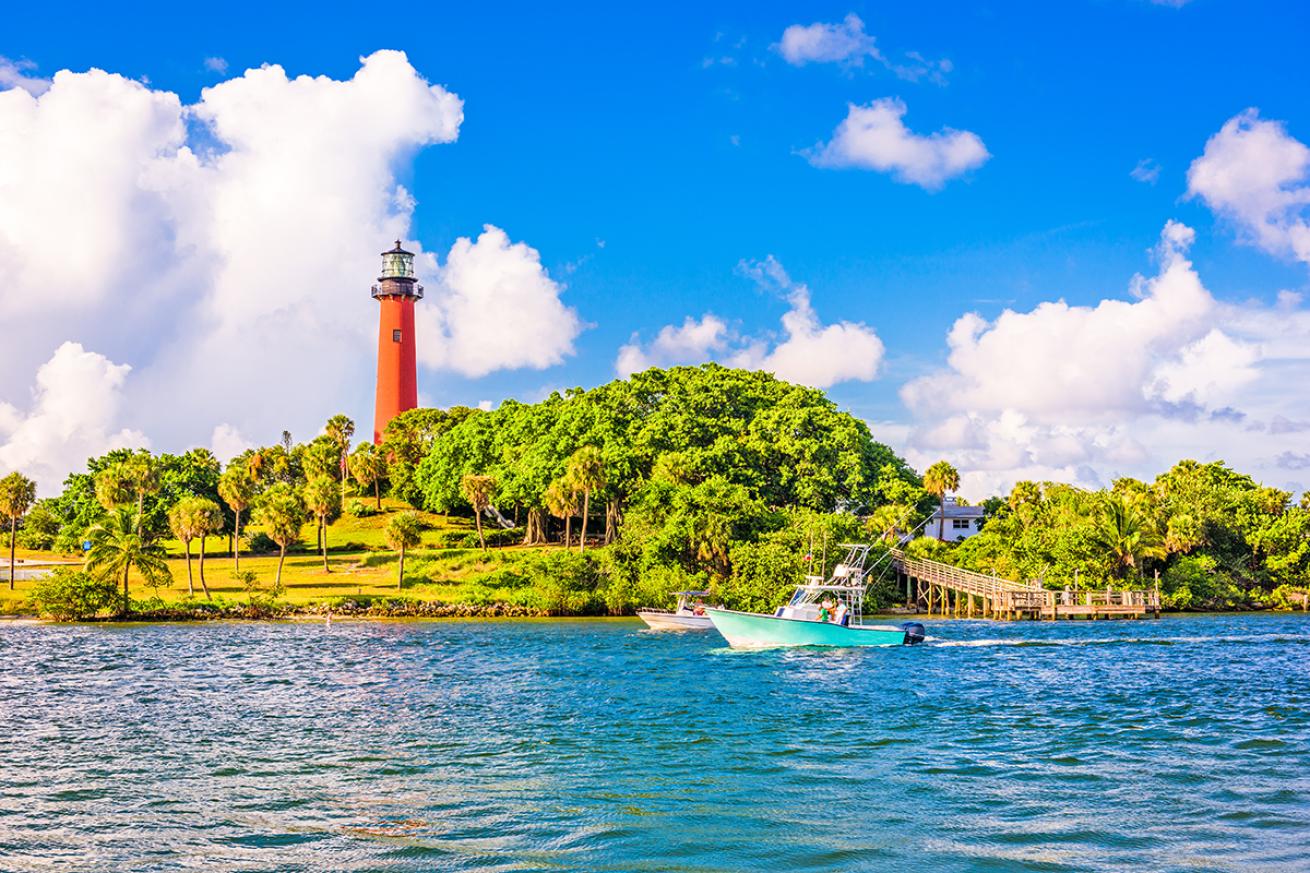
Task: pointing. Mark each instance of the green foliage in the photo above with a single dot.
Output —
(40, 528)
(74, 595)
(360, 509)
(282, 513)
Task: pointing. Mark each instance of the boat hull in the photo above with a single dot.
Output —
(749, 630)
(673, 621)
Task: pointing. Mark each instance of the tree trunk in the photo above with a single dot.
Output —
(377, 494)
(281, 556)
(140, 508)
(203, 583)
(535, 534)
(941, 519)
(322, 525)
(613, 518)
(586, 510)
(236, 541)
(190, 583)
(127, 603)
(13, 533)
(477, 518)
(568, 530)
(318, 533)
(400, 570)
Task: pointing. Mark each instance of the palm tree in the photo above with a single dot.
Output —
(117, 546)
(1126, 533)
(143, 476)
(282, 514)
(211, 521)
(404, 531)
(586, 470)
(561, 501)
(340, 428)
(477, 491)
(17, 493)
(322, 499)
(368, 466)
(185, 520)
(237, 488)
(940, 479)
(113, 485)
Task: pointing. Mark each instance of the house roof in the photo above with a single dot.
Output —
(954, 510)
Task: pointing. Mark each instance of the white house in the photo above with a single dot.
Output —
(962, 522)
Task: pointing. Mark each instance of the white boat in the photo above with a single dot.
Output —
(689, 615)
(821, 612)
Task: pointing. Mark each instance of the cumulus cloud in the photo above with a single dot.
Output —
(1256, 175)
(847, 43)
(808, 351)
(874, 137)
(497, 309)
(216, 65)
(1127, 386)
(225, 249)
(226, 442)
(75, 404)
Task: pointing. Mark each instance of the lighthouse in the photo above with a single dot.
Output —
(396, 291)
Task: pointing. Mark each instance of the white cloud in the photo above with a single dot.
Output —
(497, 308)
(1128, 386)
(845, 42)
(76, 402)
(874, 137)
(227, 442)
(1147, 170)
(1255, 174)
(808, 351)
(216, 65)
(15, 74)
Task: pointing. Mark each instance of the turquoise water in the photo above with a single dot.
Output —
(1182, 744)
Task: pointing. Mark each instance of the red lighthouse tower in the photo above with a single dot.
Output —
(396, 290)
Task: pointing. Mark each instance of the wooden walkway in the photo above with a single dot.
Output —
(943, 589)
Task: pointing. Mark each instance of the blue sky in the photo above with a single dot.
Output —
(647, 153)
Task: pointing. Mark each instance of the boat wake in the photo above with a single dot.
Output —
(1259, 639)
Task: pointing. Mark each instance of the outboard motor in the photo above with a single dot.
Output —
(914, 632)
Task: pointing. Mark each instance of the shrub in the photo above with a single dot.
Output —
(360, 509)
(260, 543)
(70, 595)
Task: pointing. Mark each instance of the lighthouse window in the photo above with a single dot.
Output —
(395, 336)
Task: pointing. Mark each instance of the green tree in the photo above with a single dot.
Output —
(118, 546)
(237, 488)
(17, 494)
(477, 491)
(586, 470)
(323, 500)
(404, 531)
(561, 500)
(1126, 533)
(940, 479)
(72, 595)
(188, 518)
(281, 513)
(340, 430)
(369, 468)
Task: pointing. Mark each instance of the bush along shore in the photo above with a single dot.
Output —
(600, 502)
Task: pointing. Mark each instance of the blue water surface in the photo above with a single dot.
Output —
(1181, 744)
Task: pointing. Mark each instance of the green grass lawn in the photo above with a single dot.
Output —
(359, 564)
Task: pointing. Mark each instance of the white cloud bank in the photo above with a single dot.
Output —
(224, 250)
(808, 351)
(875, 137)
(1128, 386)
(1255, 174)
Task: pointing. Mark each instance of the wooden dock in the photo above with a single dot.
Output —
(942, 589)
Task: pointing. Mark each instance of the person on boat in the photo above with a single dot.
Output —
(699, 608)
(825, 610)
(839, 614)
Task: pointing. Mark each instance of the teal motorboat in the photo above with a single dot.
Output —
(822, 612)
